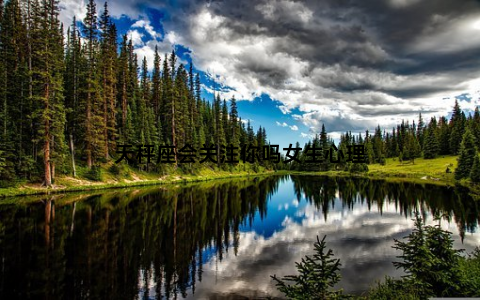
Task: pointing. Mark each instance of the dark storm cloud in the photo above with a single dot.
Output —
(368, 58)
(375, 35)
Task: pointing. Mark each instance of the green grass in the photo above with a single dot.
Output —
(421, 171)
(131, 177)
(431, 170)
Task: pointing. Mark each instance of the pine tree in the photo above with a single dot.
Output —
(378, 146)
(250, 135)
(219, 132)
(122, 88)
(156, 83)
(443, 136)
(199, 125)
(225, 122)
(475, 172)
(142, 125)
(107, 65)
(48, 68)
(476, 126)
(16, 101)
(457, 125)
(234, 125)
(183, 126)
(324, 145)
(466, 157)
(429, 260)
(317, 275)
(94, 119)
(430, 147)
(73, 65)
(420, 131)
(86, 89)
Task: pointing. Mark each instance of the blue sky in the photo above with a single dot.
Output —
(294, 66)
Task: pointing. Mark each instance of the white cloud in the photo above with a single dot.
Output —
(282, 62)
(147, 26)
(307, 135)
(70, 9)
(136, 37)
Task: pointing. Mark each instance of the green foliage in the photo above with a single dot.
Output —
(457, 124)
(318, 274)
(468, 152)
(119, 170)
(430, 146)
(95, 173)
(430, 261)
(475, 173)
(433, 267)
(470, 271)
(357, 167)
(396, 289)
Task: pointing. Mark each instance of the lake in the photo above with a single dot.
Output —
(214, 240)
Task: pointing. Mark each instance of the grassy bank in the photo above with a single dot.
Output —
(431, 171)
(129, 177)
(422, 171)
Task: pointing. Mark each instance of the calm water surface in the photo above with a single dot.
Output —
(214, 240)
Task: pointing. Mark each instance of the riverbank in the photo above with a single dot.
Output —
(131, 179)
(432, 171)
(422, 171)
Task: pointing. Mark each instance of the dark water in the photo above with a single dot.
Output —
(214, 240)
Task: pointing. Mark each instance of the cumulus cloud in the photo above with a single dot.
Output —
(344, 64)
(147, 26)
(292, 127)
(136, 37)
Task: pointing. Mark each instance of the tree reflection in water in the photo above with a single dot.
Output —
(153, 242)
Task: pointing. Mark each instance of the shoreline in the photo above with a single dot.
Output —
(93, 186)
(422, 172)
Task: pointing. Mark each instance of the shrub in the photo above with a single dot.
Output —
(396, 289)
(95, 173)
(358, 168)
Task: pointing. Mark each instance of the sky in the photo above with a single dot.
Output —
(295, 65)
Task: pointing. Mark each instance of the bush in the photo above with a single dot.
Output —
(115, 169)
(358, 168)
(95, 173)
(396, 289)
(470, 270)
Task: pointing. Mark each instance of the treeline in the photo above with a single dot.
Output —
(85, 94)
(410, 141)
(458, 136)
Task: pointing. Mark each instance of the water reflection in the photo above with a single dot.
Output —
(213, 240)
